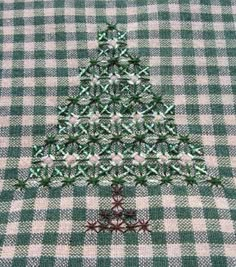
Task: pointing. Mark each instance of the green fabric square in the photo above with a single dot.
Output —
(219, 129)
(158, 238)
(38, 130)
(143, 34)
(166, 70)
(104, 238)
(1, 238)
(77, 239)
(30, 193)
(189, 261)
(59, 3)
(131, 238)
(188, 52)
(39, 110)
(192, 109)
(39, 54)
(18, 54)
(189, 70)
(219, 261)
(50, 238)
(18, 21)
(207, 35)
(6, 196)
(79, 214)
(18, 73)
(230, 35)
(165, 52)
(185, 16)
(222, 151)
(206, 17)
(15, 130)
(160, 261)
(10, 173)
(186, 237)
(19, 5)
(14, 152)
(17, 91)
(132, 261)
(47, 261)
(227, 17)
(38, 5)
(39, 20)
(23, 239)
(103, 261)
(61, 54)
(142, 17)
(217, 109)
(26, 215)
(19, 38)
(62, 91)
(210, 52)
(53, 214)
(40, 72)
(39, 37)
(165, 34)
(225, 172)
(163, 15)
(154, 190)
(156, 213)
(19, 262)
(16, 110)
(62, 72)
(231, 52)
(186, 34)
(212, 70)
(59, 19)
(60, 36)
(215, 237)
(4, 217)
(74, 262)
(210, 213)
(130, 191)
(183, 213)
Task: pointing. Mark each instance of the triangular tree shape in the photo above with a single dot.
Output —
(116, 131)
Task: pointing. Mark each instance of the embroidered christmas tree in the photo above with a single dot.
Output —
(116, 131)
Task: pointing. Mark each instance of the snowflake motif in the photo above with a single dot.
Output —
(70, 160)
(116, 159)
(134, 79)
(114, 78)
(113, 43)
(137, 117)
(185, 159)
(94, 117)
(116, 118)
(73, 120)
(94, 80)
(93, 159)
(163, 158)
(158, 117)
(139, 158)
(48, 161)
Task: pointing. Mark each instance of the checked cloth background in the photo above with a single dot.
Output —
(191, 49)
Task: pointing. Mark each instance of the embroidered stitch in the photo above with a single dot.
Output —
(116, 131)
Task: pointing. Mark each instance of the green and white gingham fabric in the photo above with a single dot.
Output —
(191, 50)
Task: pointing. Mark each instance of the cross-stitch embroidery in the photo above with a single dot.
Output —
(116, 131)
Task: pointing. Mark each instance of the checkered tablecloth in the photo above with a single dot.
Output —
(191, 50)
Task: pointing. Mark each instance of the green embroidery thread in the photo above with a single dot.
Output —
(117, 130)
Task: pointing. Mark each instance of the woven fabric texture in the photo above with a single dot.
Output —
(190, 49)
